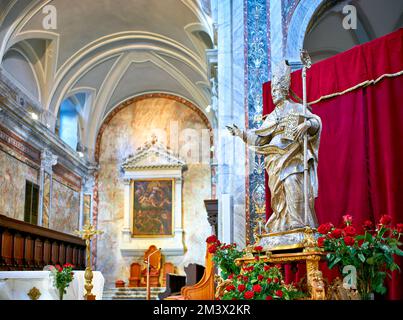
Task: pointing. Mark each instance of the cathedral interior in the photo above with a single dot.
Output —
(114, 116)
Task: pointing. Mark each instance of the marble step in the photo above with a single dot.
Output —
(131, 293)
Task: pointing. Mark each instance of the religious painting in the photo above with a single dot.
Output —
(153, 208)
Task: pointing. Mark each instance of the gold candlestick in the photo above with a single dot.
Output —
(86, 234)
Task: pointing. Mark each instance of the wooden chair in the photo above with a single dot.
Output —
(135, 275)
(155, 267)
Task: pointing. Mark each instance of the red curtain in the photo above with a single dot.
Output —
(361, 152)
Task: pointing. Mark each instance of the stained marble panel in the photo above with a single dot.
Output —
(65, 212)
(13, 176)
(182, 129)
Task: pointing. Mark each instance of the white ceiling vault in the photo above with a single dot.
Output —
(111, 50)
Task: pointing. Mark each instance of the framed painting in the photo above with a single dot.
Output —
(152, 209)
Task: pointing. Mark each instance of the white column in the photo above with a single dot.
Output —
(81, 217)
(127, 204)
(227, 231)
(41, 187)
(178, 206)
(48, 160)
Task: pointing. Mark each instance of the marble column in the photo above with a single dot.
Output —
(126, 232)
(230, 152)
(48, 160)
(86, 199)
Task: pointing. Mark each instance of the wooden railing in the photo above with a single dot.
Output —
(24, 246)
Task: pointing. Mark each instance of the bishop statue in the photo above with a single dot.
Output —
(281, 140)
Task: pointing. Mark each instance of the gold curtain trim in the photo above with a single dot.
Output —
(362, 84)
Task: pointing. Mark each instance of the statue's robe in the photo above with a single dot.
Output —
(284, 163)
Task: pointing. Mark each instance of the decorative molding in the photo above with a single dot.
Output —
(152, 155)
(16, 143)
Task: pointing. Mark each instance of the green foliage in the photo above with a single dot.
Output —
(62, 276)
(371, 253)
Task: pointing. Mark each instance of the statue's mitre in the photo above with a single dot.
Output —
(282, 76)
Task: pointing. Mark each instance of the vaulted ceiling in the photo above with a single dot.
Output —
(111, 50)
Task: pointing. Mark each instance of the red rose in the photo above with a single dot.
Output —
(275, 280)
(257, 288)
(347, 219)
(350, 231)
(368, 225)
(279, 293)
(325, 228)
(258, 248)
(269, 298)
(336, 234)
(230, 288)
(249, 294)
(260, 277)
(212, 249)
(266, 268)
(67, 265)
(257, 258)
(385, 220)
(321, 242)
(231, 276)
(241, 287)
(211, 239)
(399, 227)
(269, 280)
(349, 241)
(245, 279)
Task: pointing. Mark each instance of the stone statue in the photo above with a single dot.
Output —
(281, 140)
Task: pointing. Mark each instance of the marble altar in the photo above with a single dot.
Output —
(15, 285)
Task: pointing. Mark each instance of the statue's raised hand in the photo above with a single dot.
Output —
(234, 130)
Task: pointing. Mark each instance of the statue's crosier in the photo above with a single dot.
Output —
(281, 140)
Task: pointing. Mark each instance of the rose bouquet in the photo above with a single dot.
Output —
(371, 252)
(254, 281)
(62, 276)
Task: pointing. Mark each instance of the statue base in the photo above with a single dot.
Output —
(303, 239)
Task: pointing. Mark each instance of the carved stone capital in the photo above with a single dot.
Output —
(48, 160)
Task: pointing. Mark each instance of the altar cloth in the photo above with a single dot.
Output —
(15, 285)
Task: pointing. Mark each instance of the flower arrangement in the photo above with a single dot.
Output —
(224, 256)
(62, 276)
(371, 251)
(254, 281)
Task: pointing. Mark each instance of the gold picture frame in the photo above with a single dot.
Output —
(154, 211)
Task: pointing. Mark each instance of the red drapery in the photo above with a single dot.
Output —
(358, 94)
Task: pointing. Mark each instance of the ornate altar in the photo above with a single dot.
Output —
(152, 180)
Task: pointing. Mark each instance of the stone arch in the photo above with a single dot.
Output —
(297, 29)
